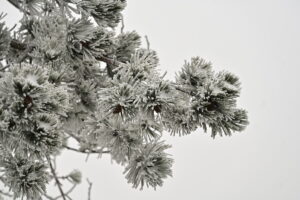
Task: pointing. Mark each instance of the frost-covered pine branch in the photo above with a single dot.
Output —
(66, 74)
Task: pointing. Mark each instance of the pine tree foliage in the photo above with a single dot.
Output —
(67, 74)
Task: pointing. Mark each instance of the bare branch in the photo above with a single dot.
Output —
(4, 68)
(17, 5)
(56, 179)
(123, 26)
(90, 188)
(148, 43)
(66, 194)
(87, 151)
(5, 193)
(182, 90)
(109, 61)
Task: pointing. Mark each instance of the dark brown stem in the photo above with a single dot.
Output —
(56, 178)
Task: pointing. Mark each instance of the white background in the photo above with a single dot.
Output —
(259, 40)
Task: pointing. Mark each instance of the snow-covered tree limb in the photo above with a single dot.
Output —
(67, 76)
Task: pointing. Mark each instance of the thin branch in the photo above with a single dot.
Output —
(90, 188)
(4, 68)
(78, 139)
(148, 43)
(182, 90)
(123, 26)
(48, 197)
(17, 5)
(70, 190)
(109, 61)
(56, 179)
(89, 151)
(66, 194)
(5, 193)
(12, 28)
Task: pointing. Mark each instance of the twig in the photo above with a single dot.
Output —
(56, 179)
(12, 28)
(14, 3)
(48, 197)
(90, 188)
(123, 26)
(181, 90)
(4, 68)
(148, 43)
(71, 189)
(17, 5)
(109, 61)
(89, 151)
(66, 194)
(6, 193)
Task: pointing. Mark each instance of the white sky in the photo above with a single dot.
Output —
(259, 40)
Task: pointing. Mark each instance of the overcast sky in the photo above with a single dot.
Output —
(258, 40)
